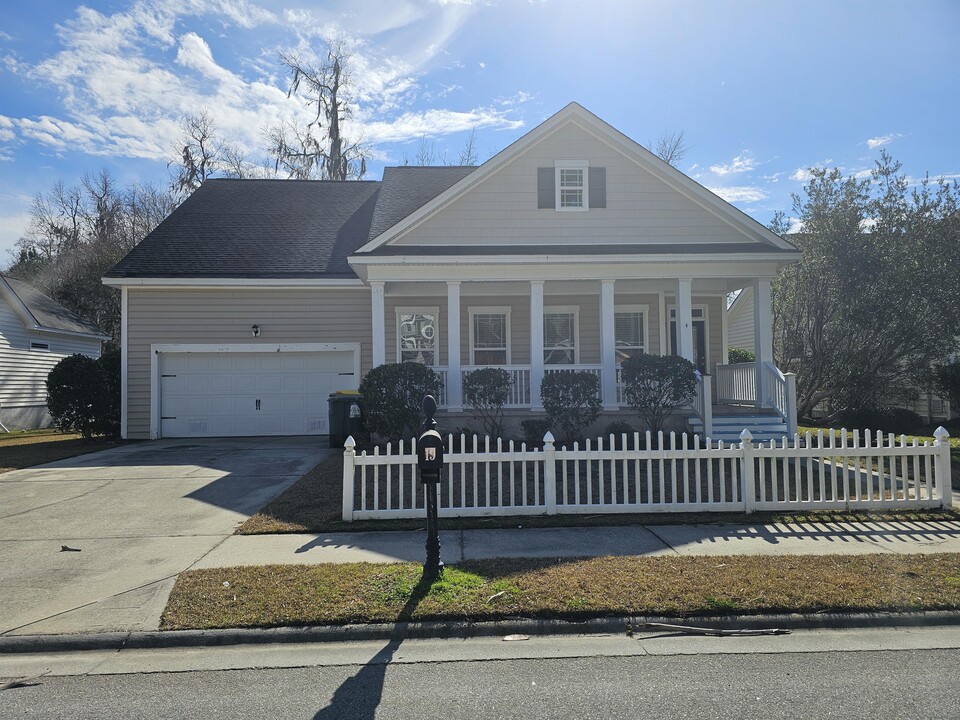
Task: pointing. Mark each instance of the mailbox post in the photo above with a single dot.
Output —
(430, 464)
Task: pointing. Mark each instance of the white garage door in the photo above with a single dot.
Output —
(233, 394)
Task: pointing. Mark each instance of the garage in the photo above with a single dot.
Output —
(229, 393)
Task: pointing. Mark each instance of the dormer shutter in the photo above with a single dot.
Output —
(598, 187)
(546, 193)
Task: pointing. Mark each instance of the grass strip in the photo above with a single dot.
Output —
(313, 504)
(20, 450)
(278, 595)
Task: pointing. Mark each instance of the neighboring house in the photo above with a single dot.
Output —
(573, 248)
(35, 334)
(740, 333)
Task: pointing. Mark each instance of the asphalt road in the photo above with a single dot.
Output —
(681, 678)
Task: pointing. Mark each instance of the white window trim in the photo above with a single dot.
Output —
(419, 310)
(571, 165)
(564, 309)
(671, 317)
(645, 311)
(482, 310)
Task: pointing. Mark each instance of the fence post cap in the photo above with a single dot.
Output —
(349, 443)
(746, 435)
(548, 438)
(941, 433)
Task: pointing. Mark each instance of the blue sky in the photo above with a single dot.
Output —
(762, 90)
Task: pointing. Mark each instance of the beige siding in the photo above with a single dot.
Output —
(225, 316)
(740, 330)
(502, 210)
(23, 372)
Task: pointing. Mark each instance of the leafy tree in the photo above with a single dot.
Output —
(739, 355)
(874, 302)
(75, 396)
(487, 390)
(393, 396)
(656, 385)
(947, 381)
(571, 399)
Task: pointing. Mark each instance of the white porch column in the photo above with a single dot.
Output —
(608, 355)
(536, 342)
(379, 332)
(762, 332)
(685, 318)
(454, 376)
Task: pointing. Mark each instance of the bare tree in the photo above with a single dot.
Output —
(671, 147)
(325, 89)
(426, 155)
(468, 155)
(196, 153)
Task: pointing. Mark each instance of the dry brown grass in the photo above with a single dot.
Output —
(574, 589)
(313, 504)
(20, 450)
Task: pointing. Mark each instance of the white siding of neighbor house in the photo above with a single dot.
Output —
(226, 316)
(740, 328)
(502, 209)
(23, 372)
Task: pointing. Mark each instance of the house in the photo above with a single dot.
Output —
(572, 248)
(740, 334)
(35, 334)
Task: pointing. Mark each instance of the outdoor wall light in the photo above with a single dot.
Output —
(255, 330)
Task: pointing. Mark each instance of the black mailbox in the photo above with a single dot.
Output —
(430, 455)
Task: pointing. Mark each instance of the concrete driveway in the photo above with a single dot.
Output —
(138, 515)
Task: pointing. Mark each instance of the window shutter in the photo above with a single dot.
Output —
(546, 195)
(598, 187)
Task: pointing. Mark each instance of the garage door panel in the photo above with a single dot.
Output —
(215, 394)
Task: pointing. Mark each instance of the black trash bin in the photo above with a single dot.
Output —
(346, 416)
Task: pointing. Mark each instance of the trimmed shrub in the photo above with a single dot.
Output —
(393, 398)
(739, 355)
(886, 419)
(618, 428)
(76, 395)
(108, 423)
(533, 431)
(655, 385)
(487, 390)
(571, 399)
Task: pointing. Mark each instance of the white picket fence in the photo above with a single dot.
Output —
(662, 474)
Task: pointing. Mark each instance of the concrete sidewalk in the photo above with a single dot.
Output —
(779, 539)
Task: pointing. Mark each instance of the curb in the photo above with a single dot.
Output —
(454, 629)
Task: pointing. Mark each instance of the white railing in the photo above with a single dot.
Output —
(736, 383)
(780, 391)
(645, 474)
(703, 403)
(519, 383)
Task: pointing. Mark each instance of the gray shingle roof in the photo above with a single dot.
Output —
(48, 313)
(258, 228)
(404, 189)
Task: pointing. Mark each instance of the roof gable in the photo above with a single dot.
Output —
(478, 203)
(40, 312)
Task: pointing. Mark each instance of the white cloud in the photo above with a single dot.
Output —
(875, 142)
(775, 177)
(436, 122)
(862, 174)
(801, 175)
(741, 163)
(796, 225)
(740, 193)
(867, 224)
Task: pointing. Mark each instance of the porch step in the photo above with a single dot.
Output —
(728, 427)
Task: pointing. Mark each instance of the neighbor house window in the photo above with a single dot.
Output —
(417, 335)
(489, 336)
(629, 324)
(560, 330)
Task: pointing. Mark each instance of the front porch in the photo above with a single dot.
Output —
(535, 328)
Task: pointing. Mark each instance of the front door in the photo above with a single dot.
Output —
(699, 343)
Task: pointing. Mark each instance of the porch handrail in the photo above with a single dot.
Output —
(737, 383)
(780, 390)
(703, 403)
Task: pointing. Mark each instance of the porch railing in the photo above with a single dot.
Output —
(737, 383)
(780, 390)
(703, 403)
(519, 383)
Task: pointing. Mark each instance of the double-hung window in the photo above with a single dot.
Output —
(417, 335)
(489, 336)
(571, 186)
(629, 324)
(560, 336)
